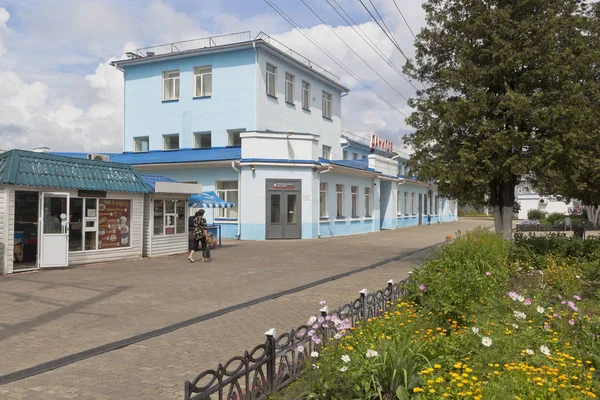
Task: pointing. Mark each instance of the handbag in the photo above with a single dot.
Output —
(206, 251)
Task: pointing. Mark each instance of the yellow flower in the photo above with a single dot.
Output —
(445, 395)
(418, 390)
(438, 366)
(350, 348)
(431, 390)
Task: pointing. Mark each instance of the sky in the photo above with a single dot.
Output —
(57, 88)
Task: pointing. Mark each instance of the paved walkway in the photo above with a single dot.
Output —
(55, 313)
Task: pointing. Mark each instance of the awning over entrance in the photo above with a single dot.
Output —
(209, 200)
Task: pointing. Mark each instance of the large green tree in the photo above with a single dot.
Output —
(495, 75)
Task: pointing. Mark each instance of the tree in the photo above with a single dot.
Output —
(495, 73)
(578, 158)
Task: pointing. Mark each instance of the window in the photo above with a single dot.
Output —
(354, 156)
(233, 137)
(289, 87)
(169, 217)
(326, 105)
(323, 200)
(271, 80)
(367, 202)
(171, 85)
(412, 203)
(339, 196)
(326, 152)
(398, 202)
(364, 157)
(99, 224)
(425, 205)
(345, 155)
(354, 194)
(437, 205)
(202, 140)
(305, 95)
(171, 142)
(203, 81)
(141, 144)
(406, 203)
(228, 191)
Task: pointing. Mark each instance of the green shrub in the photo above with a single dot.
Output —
(471, 267)
(536, 214)
(525, 245)
(555, 217)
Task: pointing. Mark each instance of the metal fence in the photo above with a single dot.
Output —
(195, 44)
(278, 361)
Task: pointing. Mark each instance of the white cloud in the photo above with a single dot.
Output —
(4, 31)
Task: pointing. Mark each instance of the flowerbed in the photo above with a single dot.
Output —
(484, 319)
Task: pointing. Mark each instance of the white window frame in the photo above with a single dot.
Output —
(339, 201)
(406, 204)
(326, 99)
(175, 85)
(354, 196)
(168, 136)
(437, 204)
(326, 152)
(198, 139)
(231, 136)
(140, 140)
(271, 91)
(398, 202)
(290, 86)
(412, 203)
(226, 213)
(84, 220)
(165, 217)
(204, 73)
(323, 204)
(306, 95)
(355, 156)
(368, 209)
(345, 155)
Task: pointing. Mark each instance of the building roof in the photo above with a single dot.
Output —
(169, 156)
(27, 168)
(152, 179)
(362, 165)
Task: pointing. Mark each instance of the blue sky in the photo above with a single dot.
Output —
(58, 90)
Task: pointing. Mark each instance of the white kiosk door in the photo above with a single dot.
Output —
(54, 249)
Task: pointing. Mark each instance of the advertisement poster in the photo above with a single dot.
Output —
(113, 223)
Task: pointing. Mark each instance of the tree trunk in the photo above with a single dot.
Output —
(507, 213)
(593, 214)
(502, 198)
(498, 219)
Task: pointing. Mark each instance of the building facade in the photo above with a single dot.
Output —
(261, 126)
(529, 199)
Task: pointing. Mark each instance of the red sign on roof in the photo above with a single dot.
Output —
(381, 144)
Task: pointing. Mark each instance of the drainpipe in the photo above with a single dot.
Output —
(343, 147)
(399, 183)
(329, 168)
(239, 199)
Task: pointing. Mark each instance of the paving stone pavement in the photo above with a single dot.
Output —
(54, 313)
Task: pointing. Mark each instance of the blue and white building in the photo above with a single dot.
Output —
(262, 127)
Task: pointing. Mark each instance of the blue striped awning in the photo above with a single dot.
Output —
(209, 200)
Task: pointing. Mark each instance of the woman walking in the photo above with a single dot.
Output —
(200, 233)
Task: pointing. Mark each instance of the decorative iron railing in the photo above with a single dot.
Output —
(278, 361)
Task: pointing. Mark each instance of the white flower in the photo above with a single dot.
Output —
(344, 368)
(300, 348)
(486, 341)
(521, 299)
(315, 366)
(337, 336)
(475, 330)
(519, 314)
(346, 358)
(529, 351)
(541, 309)
(312, 320)
(372, 353)
(314, 354)
(515, 326)
(545, 350)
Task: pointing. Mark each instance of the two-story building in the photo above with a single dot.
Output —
(261, 126)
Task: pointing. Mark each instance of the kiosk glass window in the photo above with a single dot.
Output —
(169, 217)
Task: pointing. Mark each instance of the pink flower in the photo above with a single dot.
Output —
(571, 322)
(547, 327)
(421, 287)
(559, 296)
(513, 295)
(488, 273)
(322, 302)
(563, 302)
(577, 298)
(527, 301)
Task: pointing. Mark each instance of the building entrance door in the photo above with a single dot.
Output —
(26, 230)
(284, 210)
(54, 243)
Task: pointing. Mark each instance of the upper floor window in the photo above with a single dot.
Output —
(202, 140)
(354, 156)
(203, 81)
(326, 105)
(171, 142)
(326, 152)
(305, 95)
(141, 144)
(367, 202)
(271, 80)
(364, 157)
(290, 81)
(233, 137)
(345, 155)
(171, 85)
